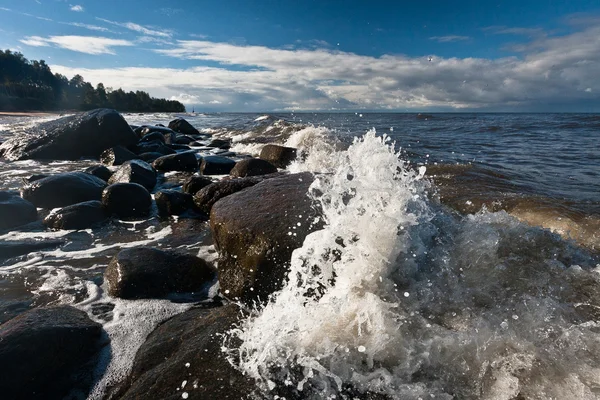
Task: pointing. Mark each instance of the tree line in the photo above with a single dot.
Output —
(31, 86)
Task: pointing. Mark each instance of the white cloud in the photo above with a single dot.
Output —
(449, 38)
(186, 98)
(76, 8)
(146, 30)
(552, 71)
(82, 44)
(88, 26)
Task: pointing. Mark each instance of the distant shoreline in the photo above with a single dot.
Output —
(27, 114)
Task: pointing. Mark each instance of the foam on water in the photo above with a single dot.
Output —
(397, 296)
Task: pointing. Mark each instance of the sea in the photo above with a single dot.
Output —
(467, 258)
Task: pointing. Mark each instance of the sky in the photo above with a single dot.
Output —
(305, 55)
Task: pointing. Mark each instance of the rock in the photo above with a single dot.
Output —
(15, 211)
(216, 165)
(99, 171)
(186, 161)
(195, 183)
(279, 156)
(77, 216)
(188, 347)
(252, 167)
(167, 133)
(117, 156)
(144, 272)
(173, 202)
(153, 147)
(153, 136)
(180, 125)
(48, 353)
(70, 138)
(206, 197)
(14, 248)
(150, 157)
(127, 200)
(135, 171)
(176, 147)
(183, 139)
(260, 218)
(35, 177)
(220, 143)
(63, 190)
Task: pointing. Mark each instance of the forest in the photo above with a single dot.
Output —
(31, 86)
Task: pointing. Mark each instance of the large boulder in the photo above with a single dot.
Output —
(173, 202)
(182, 126)
(127, 200)
(279, 156)
(63, 190)
(206, 197)
(252, 167)
(70, 138)
(216, 165)
(185, 352)
(117, 155)
(272, 218)
(144, 272)
(195, 183)
(15, 211)
(185, 161)
(100, 171)
(135, 171)
(48, 353)
(77, 216)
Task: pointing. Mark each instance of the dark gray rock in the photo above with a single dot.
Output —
(99, 171)
(180, 125)
(252, 167)
(188, 347)
(178, 147)
(150, 157)
(135, 171)
(195, 183)
(35, 177)
(220, 143)
(127, 200)
(70, 138)
(260, 218)
(144, 272)
(216, 165)
(173, 202)
(279, 156)
(153, 136)
(15, 211)
(153, 147)
(48, 353)
(186, 161)
(63, 190)
(147, 129)
(117, 156)
(206, 197)
(77, 216)
(183, 139)
(14, 248)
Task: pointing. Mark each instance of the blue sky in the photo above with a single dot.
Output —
(323, 55)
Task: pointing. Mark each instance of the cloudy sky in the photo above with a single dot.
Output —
(248, 55)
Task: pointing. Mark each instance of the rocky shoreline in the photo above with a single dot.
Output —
(258, 214)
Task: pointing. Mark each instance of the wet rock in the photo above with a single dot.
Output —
(206, 197)
(188, 347)
(183, 139)
(216, 165)
(195, 183)
(48, 353)
(146, 130)
(150, 157)
(14, 248)
(35, 177)
(135, 171)
(63, 190)
(252, 167)
(70, 138)
(99, 171)
(117, 156)
(153, 136)
(279, 156)
(127, 200)
(15, 211)
(77, 216)
(220, 143)
(173, 202)
(180, 125)
(144, 272)
(153, 147)
(177, 147)
(260, 218)
(186, 161)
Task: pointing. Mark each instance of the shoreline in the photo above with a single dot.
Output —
(27, 114)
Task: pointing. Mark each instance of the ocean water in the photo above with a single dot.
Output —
(460, 259)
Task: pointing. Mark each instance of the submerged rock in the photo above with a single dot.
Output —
(195, 183)
(185, 161)
(187, 348)
(77, 216)
(145, 272)
(173, 202)
(48, 353)
(279, 156)
(63, 190)
(180, 125)
(99, 171)
(252, 167)
(216, 165)
(135, 171)
(71, 138)
(15, 211)
(127, 200)
(116, 155)
(14, 248)
(271, 218)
